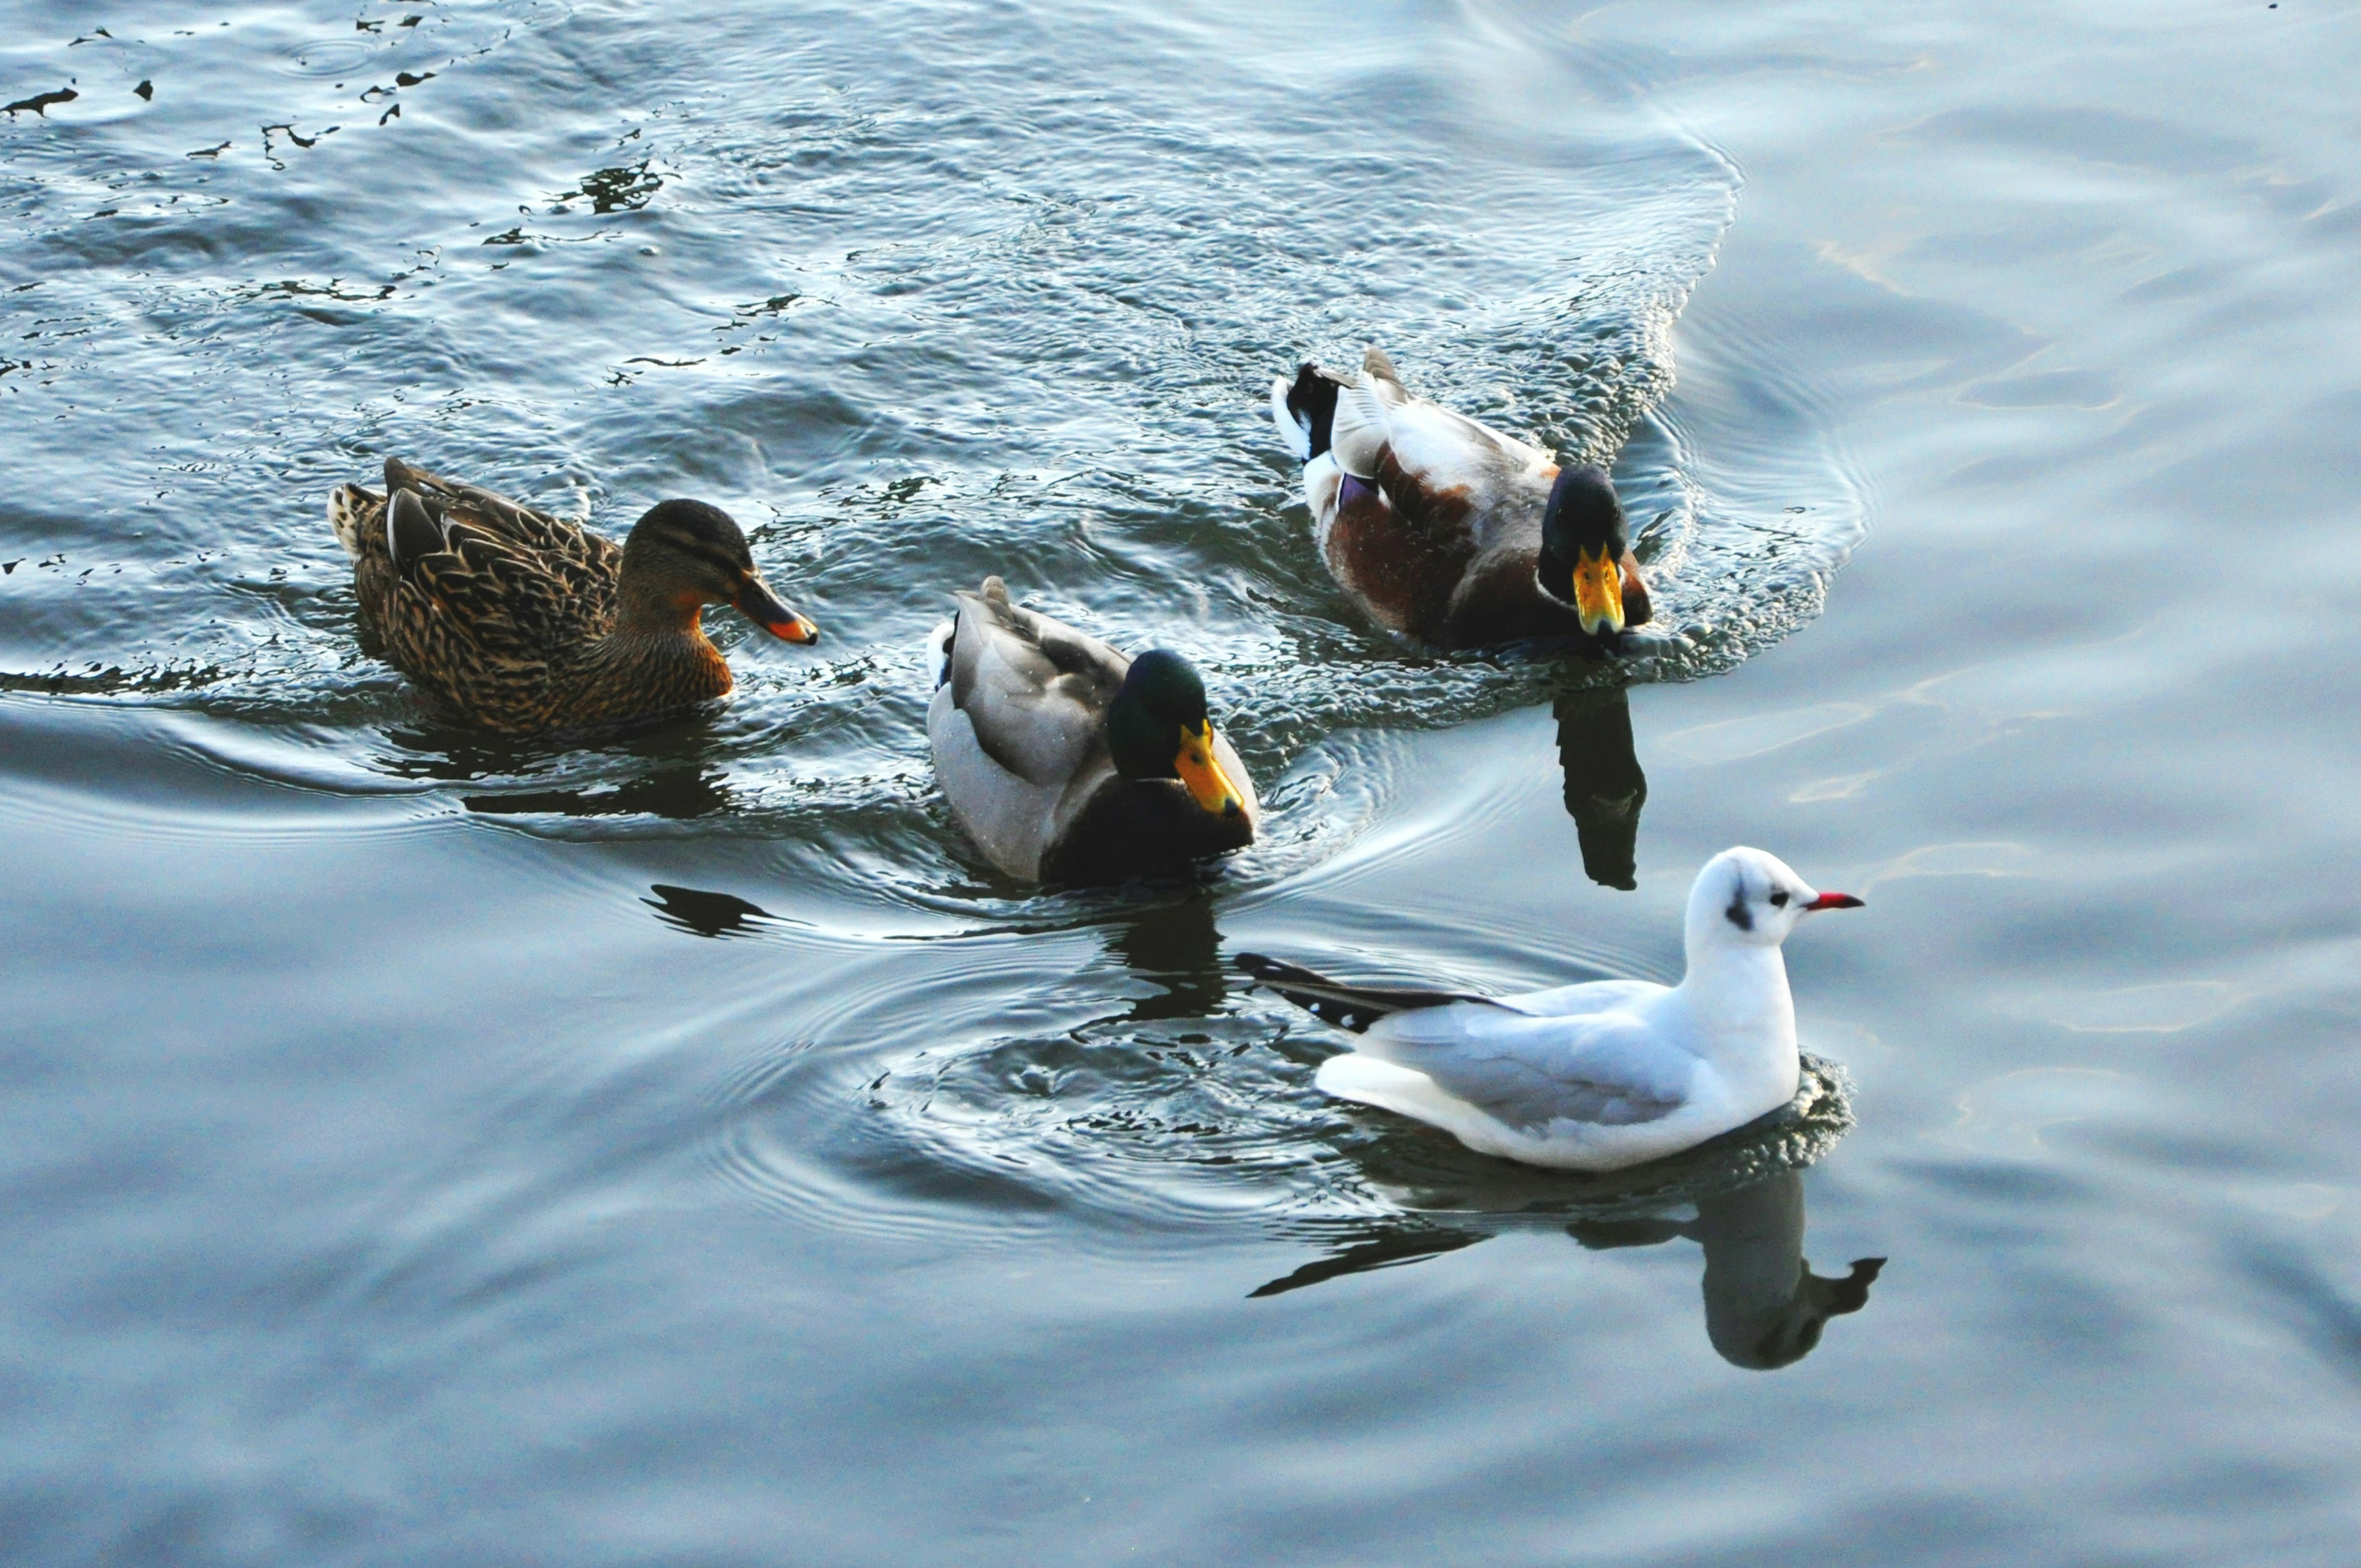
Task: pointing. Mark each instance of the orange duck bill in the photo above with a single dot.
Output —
(758, 604)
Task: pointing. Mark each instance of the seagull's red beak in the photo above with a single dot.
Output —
(1834, 901)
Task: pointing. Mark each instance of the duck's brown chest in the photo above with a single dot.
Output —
(625, 677)
(1400, 548)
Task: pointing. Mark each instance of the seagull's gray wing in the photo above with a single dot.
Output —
(1608, 1069)
(1591, 996)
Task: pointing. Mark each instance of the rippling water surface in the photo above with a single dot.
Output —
(423, 1148)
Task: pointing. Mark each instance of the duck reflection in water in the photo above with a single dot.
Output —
(703, 913)
(1764, 1308)
(671, 773)
(676, 793)
(1170, 942)
(1604, 786)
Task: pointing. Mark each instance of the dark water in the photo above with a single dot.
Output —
(422, 1149)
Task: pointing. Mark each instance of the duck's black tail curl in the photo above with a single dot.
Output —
(1310, 403)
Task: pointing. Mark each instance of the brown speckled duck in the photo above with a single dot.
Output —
(522, 622)
(1448, 529)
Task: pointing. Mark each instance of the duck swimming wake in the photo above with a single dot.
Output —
(1599, 1076)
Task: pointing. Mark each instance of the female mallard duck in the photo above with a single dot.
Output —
(523, 623)
(1066, 761)
(1446, 529)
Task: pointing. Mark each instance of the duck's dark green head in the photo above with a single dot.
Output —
(1583, 546)
(1157, 728)
(688, 554)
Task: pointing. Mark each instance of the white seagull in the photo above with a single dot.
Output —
(1599, 1076)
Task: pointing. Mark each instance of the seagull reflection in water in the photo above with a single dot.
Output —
(1764, 1308)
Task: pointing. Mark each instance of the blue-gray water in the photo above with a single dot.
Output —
(418, 1149)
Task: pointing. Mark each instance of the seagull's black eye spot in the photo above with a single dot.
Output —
(1779, 899)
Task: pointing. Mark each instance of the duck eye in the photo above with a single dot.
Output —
(1779, 899)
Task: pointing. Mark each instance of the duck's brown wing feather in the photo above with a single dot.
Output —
(551, 537)
(527, 583)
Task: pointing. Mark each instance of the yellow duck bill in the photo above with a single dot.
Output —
(1598, 592)
(1207, 783)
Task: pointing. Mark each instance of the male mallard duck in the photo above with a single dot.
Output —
(1066, 761)
(1449, 530)
(523, 623)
